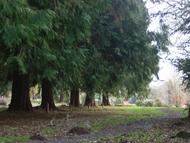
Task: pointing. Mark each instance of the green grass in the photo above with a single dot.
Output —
(125, 115)
(136, 110)
(182, 110)
(48, 132)
(106, 117)
(14, 139)
(144, 137)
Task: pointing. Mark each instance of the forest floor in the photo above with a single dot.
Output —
(108, 124)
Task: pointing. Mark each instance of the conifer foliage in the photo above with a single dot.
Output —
(97, 46)
(20, 27)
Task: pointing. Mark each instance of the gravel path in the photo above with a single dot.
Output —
(121, 128)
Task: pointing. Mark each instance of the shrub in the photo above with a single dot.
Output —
(139, 103)
(118, 101)
(148, 103)
(158, 102)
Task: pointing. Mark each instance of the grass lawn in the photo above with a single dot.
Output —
(19, 126)
(182, 110)
(160, 133)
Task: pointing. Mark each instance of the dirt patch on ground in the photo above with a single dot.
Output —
(178, 124)
(182, 134)
(79, 131)
(38, 137)
(59, 121)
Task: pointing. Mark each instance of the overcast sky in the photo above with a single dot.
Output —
(167, 70)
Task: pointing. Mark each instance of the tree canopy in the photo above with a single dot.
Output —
(97, 46)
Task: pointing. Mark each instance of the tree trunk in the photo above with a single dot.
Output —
(20, 92)
(105, 100)
(74, 100)
(62, 97)
(47, 94)
(89, 101)
(108, 102)
(189, 113)
(33, 93)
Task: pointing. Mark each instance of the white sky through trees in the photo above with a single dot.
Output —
(167, 70)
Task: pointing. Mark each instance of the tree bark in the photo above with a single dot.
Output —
(33, 93)
(74, 100)
(89, 101)
(62, 97)
(47, 94)
(20, 92)
(105, 100)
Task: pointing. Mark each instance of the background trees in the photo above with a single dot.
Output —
(177, 96)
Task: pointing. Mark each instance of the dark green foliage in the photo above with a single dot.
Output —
(97, 46)
(123, 57)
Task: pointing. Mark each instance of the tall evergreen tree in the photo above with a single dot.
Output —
(20, 27)
(121, 44)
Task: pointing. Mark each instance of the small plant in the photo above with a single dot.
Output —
(101, 138)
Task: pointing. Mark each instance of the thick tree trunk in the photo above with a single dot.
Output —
(189, 113)
(89, 101)
(47, 94)
(105, 100)
(62, 97)
(74, 100)
(108, 102)
(20, 93)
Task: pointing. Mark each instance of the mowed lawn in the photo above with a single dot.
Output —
(19, 126)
